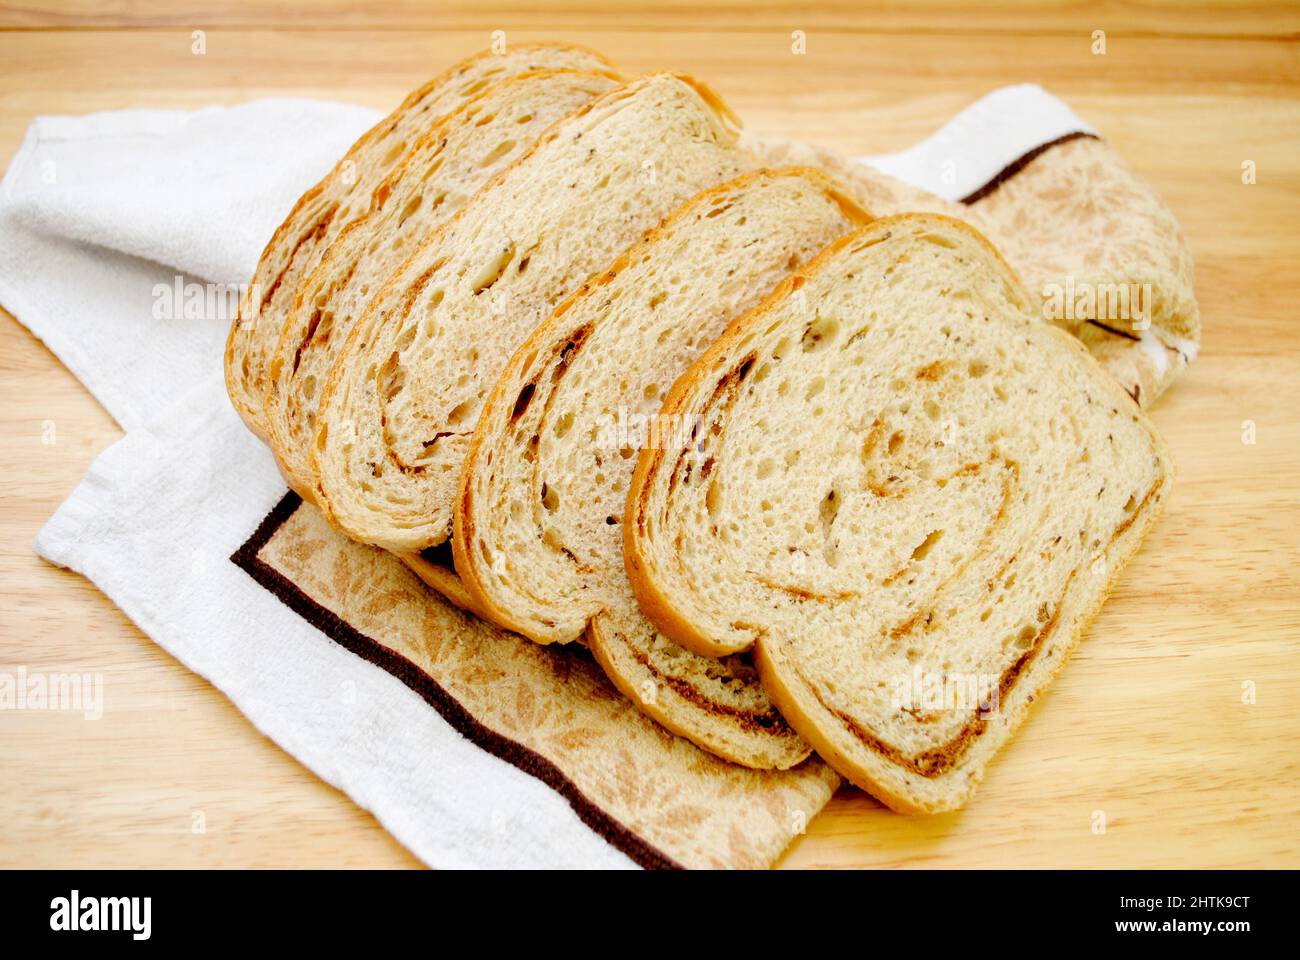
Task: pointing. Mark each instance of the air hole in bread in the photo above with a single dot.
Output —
(925, 545)
(978, 368)
(563, 425)
(391, 377)
(522, 401)
(462, 413)
(394, 153)
(827, 512)
(1025, 637)
(657, 299)
(499, 151)
(819, 334)
(938, 241)
(493, 270)
(713, 498)
(550, 499)
(412, 205)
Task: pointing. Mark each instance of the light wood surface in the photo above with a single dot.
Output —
(1147, 724)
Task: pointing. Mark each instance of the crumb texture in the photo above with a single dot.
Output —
(538, 527)
(903, 477)
(406, 391)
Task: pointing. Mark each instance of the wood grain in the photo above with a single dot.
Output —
(1158, 17)
(1146, 725)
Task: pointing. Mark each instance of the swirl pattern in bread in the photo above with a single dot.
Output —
(906, 494)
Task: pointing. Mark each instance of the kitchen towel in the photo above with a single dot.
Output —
(124, 238)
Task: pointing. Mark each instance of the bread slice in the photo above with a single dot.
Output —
(440, 172)
(406, 390)
(906, 494)
(344, 194)
(537, 543)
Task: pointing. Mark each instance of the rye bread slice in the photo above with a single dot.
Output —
(906, 495)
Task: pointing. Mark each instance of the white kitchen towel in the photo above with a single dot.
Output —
(123, 239)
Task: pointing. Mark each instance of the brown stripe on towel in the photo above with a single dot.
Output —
(1015, 166)
(450, 709)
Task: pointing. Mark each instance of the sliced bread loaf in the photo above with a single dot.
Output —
(906, 494)
(344, 194)
(405, 391)
(537, 542)
(440, 172)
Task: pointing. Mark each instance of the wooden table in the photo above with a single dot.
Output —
(1146, 725)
